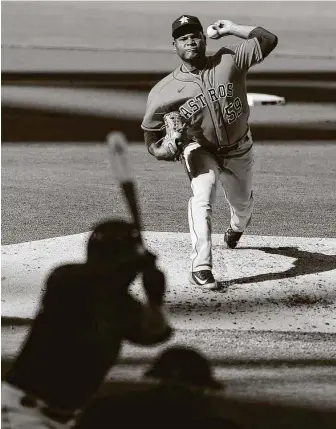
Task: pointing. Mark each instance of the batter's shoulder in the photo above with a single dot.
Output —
(67, 274)
(66, 269)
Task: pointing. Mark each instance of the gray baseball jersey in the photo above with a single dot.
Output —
(214, 103)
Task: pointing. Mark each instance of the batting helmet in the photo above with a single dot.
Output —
(113, 239)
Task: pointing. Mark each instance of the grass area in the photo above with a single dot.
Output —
(52, 190)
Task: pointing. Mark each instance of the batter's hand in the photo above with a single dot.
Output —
(223, 27)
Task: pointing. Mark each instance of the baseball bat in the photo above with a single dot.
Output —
(122, 172)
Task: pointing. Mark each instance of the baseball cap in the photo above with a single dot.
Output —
(183, 22)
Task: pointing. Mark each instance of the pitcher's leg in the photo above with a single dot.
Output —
(203, 173)
(236, 178)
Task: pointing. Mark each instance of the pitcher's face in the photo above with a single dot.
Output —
(190, 46)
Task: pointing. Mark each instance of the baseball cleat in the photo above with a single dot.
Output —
(232, 237)
(204, 279)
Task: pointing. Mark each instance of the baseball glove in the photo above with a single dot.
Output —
(173, 140)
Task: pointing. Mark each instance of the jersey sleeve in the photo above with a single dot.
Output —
(153, 118)
(247, 53)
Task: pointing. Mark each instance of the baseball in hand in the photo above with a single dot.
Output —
(212, 32)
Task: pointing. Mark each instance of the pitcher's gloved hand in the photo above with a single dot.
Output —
(170, 148)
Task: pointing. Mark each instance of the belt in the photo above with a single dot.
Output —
(224, 150)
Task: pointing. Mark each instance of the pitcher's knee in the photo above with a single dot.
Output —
(243, 202)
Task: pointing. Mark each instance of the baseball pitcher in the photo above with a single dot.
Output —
(200, 113)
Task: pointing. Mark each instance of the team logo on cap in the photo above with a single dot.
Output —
(184, 20)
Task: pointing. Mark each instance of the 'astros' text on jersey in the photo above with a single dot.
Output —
(213, 103)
